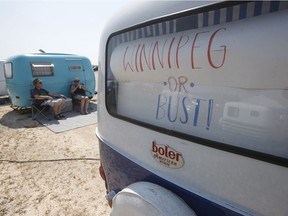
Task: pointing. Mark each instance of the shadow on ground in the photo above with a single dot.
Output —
(15, 119)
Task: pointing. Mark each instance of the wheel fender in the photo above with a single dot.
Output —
(145, 198)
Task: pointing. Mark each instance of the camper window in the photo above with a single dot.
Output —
(42, 69)
(8, 70)
(148, 85)
(75, 67)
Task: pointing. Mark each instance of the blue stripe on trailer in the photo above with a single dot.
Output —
(243, 11)
(257, 8)
(274, 6)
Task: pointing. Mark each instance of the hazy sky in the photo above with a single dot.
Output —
(55, 26)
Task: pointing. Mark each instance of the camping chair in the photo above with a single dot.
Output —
(76, 104)
(38, 109)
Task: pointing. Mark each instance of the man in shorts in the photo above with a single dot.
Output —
(43, 97)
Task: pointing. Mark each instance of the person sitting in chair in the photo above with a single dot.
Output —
(78, 92)
(56, 101)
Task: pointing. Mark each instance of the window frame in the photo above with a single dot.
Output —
(39, 69)
(10, 70)
(273, 159)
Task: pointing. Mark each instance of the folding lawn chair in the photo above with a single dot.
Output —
(38, 109)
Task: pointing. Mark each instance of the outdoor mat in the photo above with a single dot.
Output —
(71, 120)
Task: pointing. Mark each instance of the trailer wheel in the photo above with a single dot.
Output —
(144, 198)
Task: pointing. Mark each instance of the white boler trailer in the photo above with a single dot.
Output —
(193, 100)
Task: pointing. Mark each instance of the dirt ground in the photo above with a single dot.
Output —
(43, 173)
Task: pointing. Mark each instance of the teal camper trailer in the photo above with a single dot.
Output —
(56, 70)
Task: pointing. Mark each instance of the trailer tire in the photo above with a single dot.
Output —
(145, 199)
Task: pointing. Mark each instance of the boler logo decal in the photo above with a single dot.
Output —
(167, 156)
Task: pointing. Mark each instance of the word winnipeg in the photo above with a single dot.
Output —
(150, 54)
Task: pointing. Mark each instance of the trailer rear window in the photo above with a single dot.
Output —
(8, 70)
(42, 69)
(200, 75)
